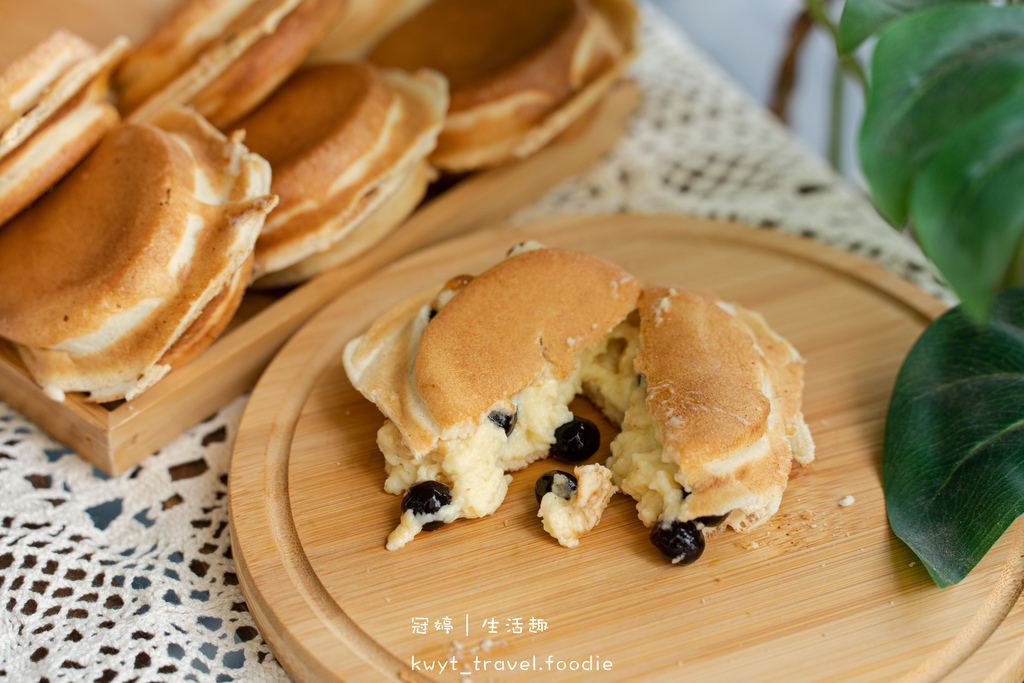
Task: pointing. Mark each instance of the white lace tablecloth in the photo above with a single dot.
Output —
(131, 578)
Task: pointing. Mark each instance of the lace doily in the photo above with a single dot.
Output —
(699, 146)
(131, 578)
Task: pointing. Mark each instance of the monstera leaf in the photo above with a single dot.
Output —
(953, 456)
(968, 203)
(942, 147)
(861, 18)
(942, 109)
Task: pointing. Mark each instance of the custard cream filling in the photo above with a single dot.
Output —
(568, 519)
(474, 464)
(639, 468)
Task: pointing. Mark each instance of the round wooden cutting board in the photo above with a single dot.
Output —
(822, 592)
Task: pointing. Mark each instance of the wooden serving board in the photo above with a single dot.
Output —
(821, 593)
(116, 436)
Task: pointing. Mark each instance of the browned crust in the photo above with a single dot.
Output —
(340, 139)
(66, 275)
(55, 55)
(171, 48)
(496, 336)
(252, 78)
(53, 110)
(38, 163)
(222, 56)
(517, 63)
(369, 232)
(623, 18)
(705, 378)
(487, 50)
(360, 27)
(68, 65)
(212, 322)
(315, 127)
(724, 391)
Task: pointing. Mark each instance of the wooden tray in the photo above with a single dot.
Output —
(823, 592)
(116, 436)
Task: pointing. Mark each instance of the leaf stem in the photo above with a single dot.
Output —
(835, 129)
(816, 10)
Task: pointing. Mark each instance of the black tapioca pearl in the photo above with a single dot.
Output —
(427, 498)
(561, 483)
(504, 420)
(681, 542)
(575, 441)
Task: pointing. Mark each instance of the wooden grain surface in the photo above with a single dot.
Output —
(822, 593)
(117, 436)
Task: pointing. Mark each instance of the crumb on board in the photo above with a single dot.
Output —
(847, 501)
(459, 649)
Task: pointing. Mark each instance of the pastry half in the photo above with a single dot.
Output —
(476, 376)
(115, 275)
(223, 57)
(54, 108)
(348, 145)
(714, 422)
(521, 71)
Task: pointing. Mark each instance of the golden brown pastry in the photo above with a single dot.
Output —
(222, 57)
(102, 277)
(476, 376)
(713, 427)
(520, 70)
(53, 109)
(347, 144)
(363, 234)
(360, 26)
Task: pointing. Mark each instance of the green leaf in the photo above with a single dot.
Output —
(953, 455)
(967, 205)
(861, 18)
(932, 72)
